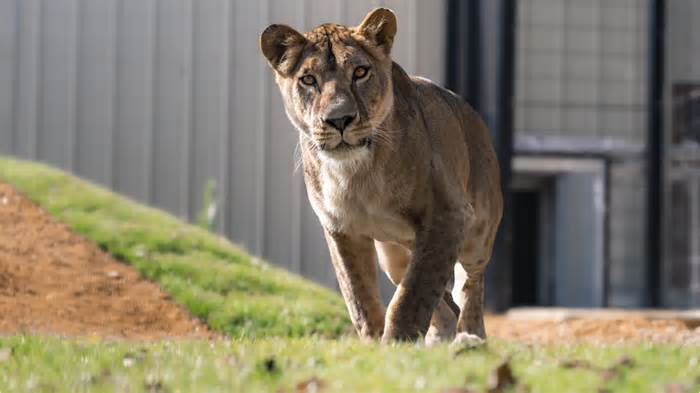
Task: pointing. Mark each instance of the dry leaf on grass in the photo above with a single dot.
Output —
(626, 361)
(501, 378)
(606, 373)
(576, 364)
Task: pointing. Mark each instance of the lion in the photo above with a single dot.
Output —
(399, 171)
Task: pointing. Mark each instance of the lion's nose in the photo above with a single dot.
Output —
(340, 123)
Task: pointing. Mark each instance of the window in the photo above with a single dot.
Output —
(686, 113)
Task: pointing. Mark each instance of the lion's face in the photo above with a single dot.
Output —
(335, 81)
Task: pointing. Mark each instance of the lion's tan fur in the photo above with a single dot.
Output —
(413, 183)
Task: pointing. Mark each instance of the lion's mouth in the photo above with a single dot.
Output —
(344, 146)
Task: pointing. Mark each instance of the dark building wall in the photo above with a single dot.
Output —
(681, 173)
(581, 81)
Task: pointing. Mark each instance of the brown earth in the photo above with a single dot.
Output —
(54, 281)
(594, 330)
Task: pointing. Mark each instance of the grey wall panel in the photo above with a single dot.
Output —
(627, 229)
(171, 129)
(354, 11)
(683, 40)
(282, 138)
(577, 256)
(133, 129)
(210, 73)
(8, 40)
(403, 50)
(96, 90)
(248, 124)
(317, 12)
(222, 223)
(56, 130)
(155, 98)
(430, 22)
(28, 82)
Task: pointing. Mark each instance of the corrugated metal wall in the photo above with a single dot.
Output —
(155, 98)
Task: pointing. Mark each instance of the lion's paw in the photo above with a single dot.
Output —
(466, 340)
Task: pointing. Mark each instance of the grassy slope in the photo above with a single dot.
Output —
(51, 364)
(219, 282)
(249, 300)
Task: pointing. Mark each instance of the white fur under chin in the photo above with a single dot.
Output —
(346, 160)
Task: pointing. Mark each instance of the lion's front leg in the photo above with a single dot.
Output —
(423, 286)
(354, 261)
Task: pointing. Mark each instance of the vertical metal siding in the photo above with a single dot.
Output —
(156, 98)
(133, 130)
(27, 91)
(8, 33)
(56, 137)
(95, 89)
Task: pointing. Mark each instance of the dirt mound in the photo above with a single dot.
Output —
(54, 281)
(593, 330)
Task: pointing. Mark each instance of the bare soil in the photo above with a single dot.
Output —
(595, 329)
(54, 281)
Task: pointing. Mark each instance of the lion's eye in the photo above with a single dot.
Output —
(308, 80)
(360, 72)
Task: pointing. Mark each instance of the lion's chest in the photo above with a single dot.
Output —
(361, 207)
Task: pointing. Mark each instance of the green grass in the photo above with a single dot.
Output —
(282, 329)
(218, 281)
(271, 364)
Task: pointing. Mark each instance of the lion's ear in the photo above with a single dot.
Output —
(379, 26)
(281, 45)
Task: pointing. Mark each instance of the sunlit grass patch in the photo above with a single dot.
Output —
(217, 281)
(344, 365)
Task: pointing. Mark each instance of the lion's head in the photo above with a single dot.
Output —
(335, 81)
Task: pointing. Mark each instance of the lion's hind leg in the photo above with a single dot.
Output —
(474, 256)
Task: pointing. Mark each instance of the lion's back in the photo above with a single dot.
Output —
(465, 140)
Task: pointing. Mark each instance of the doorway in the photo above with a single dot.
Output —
(557, 231)
(526, 253)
